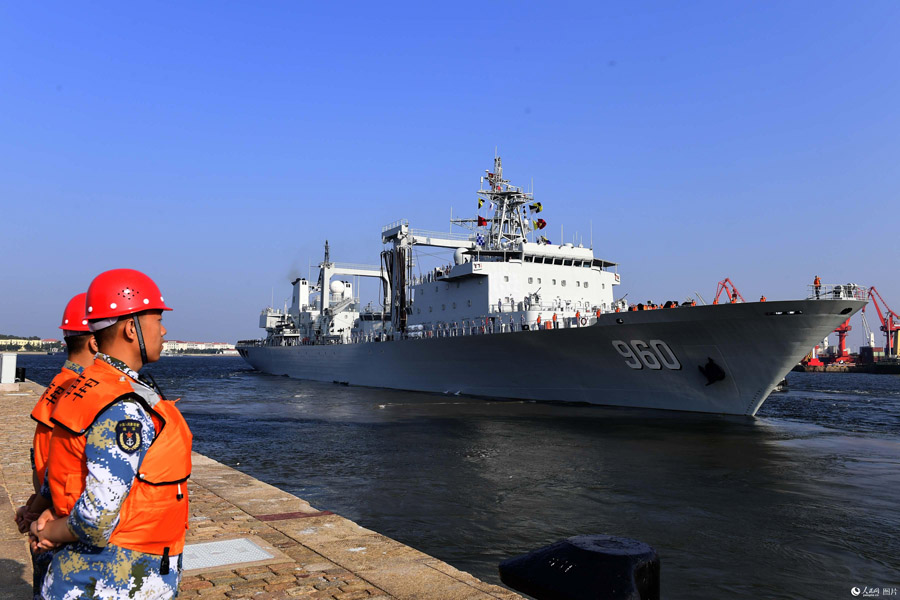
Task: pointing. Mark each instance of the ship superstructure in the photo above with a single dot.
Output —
(509, 299)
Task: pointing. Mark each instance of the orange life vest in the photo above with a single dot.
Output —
(41, 413)
(154, 515)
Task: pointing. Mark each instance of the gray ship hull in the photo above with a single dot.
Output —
(647, 359)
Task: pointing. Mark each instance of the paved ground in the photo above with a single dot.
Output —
(319, 554)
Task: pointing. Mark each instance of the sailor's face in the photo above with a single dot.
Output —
(154, 334)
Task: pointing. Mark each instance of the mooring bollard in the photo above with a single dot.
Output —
(586, 567)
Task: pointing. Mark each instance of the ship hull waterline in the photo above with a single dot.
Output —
(755, 344)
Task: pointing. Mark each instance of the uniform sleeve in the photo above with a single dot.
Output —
(114, 448)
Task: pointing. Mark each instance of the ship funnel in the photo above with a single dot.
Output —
(300, 297)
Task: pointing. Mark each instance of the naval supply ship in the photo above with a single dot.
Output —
(515, 316)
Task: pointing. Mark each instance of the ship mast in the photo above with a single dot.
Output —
(509, 225)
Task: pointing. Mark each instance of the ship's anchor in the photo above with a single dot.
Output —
(712, 372)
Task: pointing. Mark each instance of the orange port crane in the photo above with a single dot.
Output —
(889, 326)
(731, 291)
(842, 330)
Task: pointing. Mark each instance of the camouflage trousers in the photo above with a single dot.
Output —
(79, 571)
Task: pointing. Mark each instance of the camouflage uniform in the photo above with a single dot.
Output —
(92, 567)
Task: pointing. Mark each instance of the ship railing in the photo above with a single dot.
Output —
(489, 326)
(468, 327)
(395, 224)
(837, 291)
(444, 235)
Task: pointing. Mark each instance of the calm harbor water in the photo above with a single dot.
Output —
(800, 502)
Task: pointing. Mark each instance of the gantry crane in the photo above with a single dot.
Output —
(870, 337)
(889, 326)
(731, 292)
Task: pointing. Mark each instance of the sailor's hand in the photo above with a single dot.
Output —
(24, 518)
(22, 521)
(38, 533)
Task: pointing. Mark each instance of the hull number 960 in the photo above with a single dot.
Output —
(654, 354)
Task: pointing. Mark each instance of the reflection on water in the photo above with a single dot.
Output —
(800, 502)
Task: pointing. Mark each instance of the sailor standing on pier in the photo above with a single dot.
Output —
(119, 529)
(80, 350)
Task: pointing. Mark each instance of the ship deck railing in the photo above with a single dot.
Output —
(445, 235)
(837, 291)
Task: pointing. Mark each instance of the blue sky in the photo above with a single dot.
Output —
(216, 145)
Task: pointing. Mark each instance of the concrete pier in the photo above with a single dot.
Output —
(315, 553)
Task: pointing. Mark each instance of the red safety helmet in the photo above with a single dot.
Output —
(74, 318)
(122, 292)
